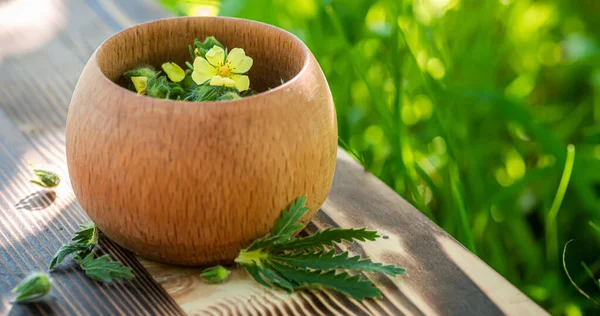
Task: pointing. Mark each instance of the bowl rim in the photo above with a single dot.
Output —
(305, 62)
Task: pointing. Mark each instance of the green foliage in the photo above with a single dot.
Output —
(201, 93)
(82, 244)
(154, 84)
(272, 261)
(215, 274)
(74, 249)
(46, 178)
(200, 48)
(466, 109)
(353, 286)
(330, 261)
(328, 237)
(289, 221)
(142, 71)
(88, 234)
(32, 288)
(81, 248)
(102, 269)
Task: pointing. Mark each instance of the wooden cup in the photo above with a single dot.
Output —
(193, 183)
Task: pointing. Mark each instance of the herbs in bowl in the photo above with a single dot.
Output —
(215, 74)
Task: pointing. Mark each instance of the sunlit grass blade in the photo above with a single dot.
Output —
(551, 229)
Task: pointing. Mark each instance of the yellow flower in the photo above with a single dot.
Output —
(140, 84)
(173, 71)
(223, 72)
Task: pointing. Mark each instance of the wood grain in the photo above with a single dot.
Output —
(443, 277)
(36, 85)
(194, 183)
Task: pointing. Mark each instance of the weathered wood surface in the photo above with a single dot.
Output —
(39, 65)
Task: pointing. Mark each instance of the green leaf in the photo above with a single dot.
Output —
(88, 235)
(327, 237)
(273, 276)
(342, 282)
(71, 248)
(215, 274)
(254, 272)
(46, 178)
(32, 288)
(143, 71)
(329, 261)
(288, 223)
(205, 46)
(101, 269)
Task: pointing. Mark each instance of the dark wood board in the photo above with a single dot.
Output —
(39, 67)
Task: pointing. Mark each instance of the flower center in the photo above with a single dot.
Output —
(224, 70)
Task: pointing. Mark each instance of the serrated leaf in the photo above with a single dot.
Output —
(288, 223)
(350, 285)
(254, 272)
(87, 235)
(101, 269)
(68, 249)
(32, 288)
(327, 237)
(329, 261)
(273, 276)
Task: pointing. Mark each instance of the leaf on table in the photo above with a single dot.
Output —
(87, 235)
(330, 261)
(70, 249)
(342, 282)
(254, 272)
(288, 223)
(46, 178)
(285, 226)
(101, 269)
(327, 237)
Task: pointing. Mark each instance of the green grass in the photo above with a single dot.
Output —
(466, 108)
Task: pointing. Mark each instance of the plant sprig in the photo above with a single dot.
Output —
(291, 263)
(45, 178)
(81, 248)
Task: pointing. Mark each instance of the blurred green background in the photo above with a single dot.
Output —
(467, 108)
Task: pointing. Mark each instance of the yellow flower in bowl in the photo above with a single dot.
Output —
(223, 71)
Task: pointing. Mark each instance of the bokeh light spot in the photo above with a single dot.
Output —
(373, 135)
(436, 68)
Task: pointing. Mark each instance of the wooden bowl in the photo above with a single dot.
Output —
(193, 183)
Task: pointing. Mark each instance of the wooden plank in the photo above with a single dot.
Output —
(34, 97)
(444, 278)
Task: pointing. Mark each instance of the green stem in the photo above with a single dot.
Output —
(551, 227)
(460, 204)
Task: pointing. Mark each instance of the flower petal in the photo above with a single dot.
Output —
(203, 71)
(215, 56)
(140, 84)
(240, 63)
(221, 81)
(173, 71)
(242, 82)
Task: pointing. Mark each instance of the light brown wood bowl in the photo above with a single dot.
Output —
(193, 183)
